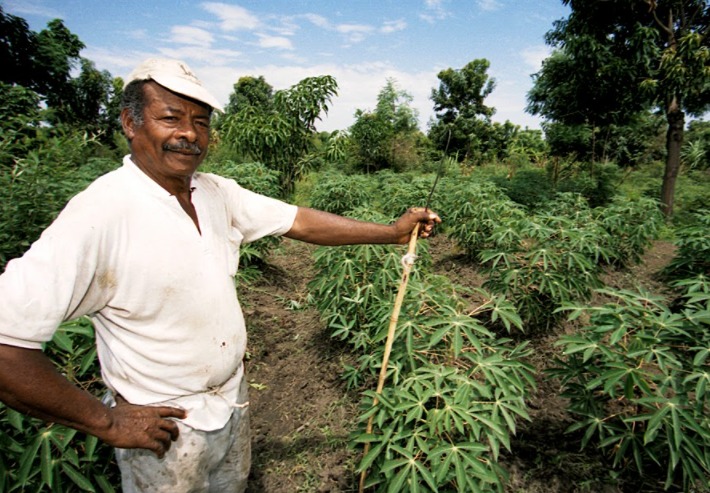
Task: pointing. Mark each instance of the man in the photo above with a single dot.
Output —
(149, 252)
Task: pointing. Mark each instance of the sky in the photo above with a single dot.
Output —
(360, 43)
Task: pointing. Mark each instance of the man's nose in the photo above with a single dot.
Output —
(187, 130)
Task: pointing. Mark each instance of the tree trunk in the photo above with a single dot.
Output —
(674, 141)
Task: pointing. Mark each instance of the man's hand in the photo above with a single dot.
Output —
(426, 218)
(145, 427)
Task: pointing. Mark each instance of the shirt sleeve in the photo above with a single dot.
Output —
(54, 281)
(256, 215)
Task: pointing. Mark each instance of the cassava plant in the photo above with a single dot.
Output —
(474, 210)
(40, 457)
(455, 390)
(693, 249)
(540, 263)
(340, 194)
(636, 376)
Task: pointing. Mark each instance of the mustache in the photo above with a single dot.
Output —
(184, 147)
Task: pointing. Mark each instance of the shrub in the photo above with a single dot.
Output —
(693, 254)
(456, 390)
(473, 210)
(37, 186)
(40, 457)
(631, 225)
(339, 194)
(541, 263)
(528, 187)
(637, 377)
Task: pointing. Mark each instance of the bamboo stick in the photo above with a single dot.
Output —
(407, 267)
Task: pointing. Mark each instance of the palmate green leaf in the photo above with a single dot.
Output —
(654, 423)
(46, 462)
(64, 341)
(16, 419)
(27, 460)
(79, 479)
(103, 483)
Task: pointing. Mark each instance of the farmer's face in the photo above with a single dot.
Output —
(172, 141)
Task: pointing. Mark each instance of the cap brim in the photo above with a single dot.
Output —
(186, 88)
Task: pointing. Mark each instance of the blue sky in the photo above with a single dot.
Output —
(361, 43)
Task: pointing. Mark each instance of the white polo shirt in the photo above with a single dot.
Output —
(169, 328)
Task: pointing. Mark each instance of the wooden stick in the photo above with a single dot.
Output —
(407, 264)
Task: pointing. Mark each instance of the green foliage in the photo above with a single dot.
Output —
(37, 186)
(696, 150)
(455, 390)
(35, 456)
(281, 135)
(630, 226)
(339, 194)
(386, 137)
(541, 261)
(612, 66)
(544, 261)
(250, 91)
(637, 377)
(474, 209)
(692, 257)
(528, 187)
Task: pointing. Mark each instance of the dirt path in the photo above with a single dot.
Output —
(301, 414)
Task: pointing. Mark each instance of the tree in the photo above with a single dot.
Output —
(250, 91)
(281, 135)
(462, 118)
(616, 58)
(17, 50)
(92, 102)
(56, 55)
(386, 137)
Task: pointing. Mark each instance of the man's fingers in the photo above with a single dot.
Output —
(171, 412)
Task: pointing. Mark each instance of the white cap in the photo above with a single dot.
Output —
(176, 76)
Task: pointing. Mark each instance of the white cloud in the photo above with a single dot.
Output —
(354, 33)
(23, 8)
(200, 55)
(318, 20)
(278, 42)
(233, 17)
(534, 55)
(434, 11)
(488, 5)
(191, 36)
(393, 26)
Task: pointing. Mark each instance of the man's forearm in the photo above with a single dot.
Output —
(30, 383)
(324, 228)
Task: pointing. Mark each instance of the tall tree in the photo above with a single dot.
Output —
(616, 58)
(281, 135)
(250, 91)
(17, 50)
(462, 117)
(385, 137)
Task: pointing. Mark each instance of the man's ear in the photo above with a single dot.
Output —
(128, 124)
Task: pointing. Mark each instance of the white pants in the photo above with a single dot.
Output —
(198, 462)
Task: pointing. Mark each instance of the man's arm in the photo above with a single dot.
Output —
(324, 228)
(30, 383)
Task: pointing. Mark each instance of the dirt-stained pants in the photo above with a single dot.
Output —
(198, 462)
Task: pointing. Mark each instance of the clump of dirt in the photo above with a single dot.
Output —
(301, 413)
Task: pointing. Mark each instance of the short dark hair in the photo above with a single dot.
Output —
(133, 100)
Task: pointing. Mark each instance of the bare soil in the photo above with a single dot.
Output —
(302, 414)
